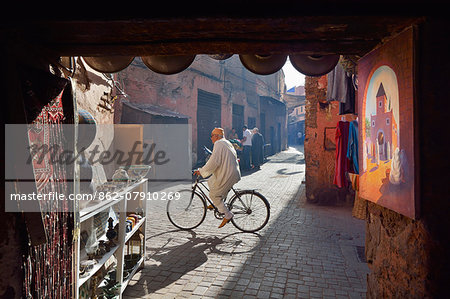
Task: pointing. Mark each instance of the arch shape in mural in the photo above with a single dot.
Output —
(385, 109)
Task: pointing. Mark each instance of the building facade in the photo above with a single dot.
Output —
(210, 93)
(295, 99)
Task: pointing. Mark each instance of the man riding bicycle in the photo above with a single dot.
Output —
(223, 167)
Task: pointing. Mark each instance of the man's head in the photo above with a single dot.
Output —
(255, 130)
(216, 134)
(244, 128)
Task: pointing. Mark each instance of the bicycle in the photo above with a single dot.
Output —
(250, 208)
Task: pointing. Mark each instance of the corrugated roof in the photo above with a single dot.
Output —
(154, 109)
(272, 100)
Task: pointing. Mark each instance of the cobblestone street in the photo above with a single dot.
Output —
(305, 251)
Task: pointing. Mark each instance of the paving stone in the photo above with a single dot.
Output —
(243, 282)
(276, 295)
(240, 287)
(253, 285)
(190, 286)
(200, 290)
(263, 294)
(303, 252)
(237, 294)
(277, 290)
(251, 292)
(290, 290)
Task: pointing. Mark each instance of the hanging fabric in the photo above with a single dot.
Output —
(348, 107)
(352, 147)
(341, 89)
(49, 104)
(342, 165)
(359, 209)
(337, 84)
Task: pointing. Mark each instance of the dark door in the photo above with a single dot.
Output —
(238, 119)
(262, 129)
(208, 118)
(278, 137)
(272, 140)
(251, 123)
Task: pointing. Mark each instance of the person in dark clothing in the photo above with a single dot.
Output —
(257, 148)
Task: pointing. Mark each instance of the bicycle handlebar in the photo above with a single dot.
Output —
(197, 177)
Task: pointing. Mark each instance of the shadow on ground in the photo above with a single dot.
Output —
(305, 251)
(168, 263)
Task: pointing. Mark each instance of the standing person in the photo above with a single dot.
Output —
(299, 137)
(257, 148)
(247, 144)
(233, 134)
(224, 170)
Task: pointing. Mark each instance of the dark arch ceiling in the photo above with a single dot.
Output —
(208, 27)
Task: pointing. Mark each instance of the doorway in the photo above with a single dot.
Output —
(238, 119)
(208, 118)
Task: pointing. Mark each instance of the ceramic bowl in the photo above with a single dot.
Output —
(87, 265)
(120, 178)
(136, 172)
(106, 187)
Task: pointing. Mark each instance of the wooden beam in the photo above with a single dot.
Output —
(211, 35)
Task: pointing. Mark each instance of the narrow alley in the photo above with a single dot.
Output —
(105, 111)
(305, 251)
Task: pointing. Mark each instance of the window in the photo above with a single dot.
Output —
(373, 123)
(388, 121)
(380, 104)
(251, 123)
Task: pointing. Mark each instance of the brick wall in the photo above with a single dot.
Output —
(321, 116)
(410, 258)
(178, 92)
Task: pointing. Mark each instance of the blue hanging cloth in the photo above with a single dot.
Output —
(352, 148)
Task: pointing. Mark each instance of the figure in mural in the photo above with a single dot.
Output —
(383, 129)
(386, 107)
(399, 167)
(381, 120)
(395, 176)
(381, 157)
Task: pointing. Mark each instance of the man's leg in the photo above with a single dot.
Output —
(247, 157)
(218, 202)
(249, 163)
(244, 158)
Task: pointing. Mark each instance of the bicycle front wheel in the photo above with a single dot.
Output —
(251, 211)
(188, 211)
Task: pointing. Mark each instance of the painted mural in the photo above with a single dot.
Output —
(387, 126)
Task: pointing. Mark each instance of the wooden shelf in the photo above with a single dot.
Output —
(97, 266)
(102, 205)
(135, 229)
(119, 250)
(119, 200)
(135, 269)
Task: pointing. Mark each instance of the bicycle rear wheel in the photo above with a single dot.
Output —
(251, 211)
(188, 211)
